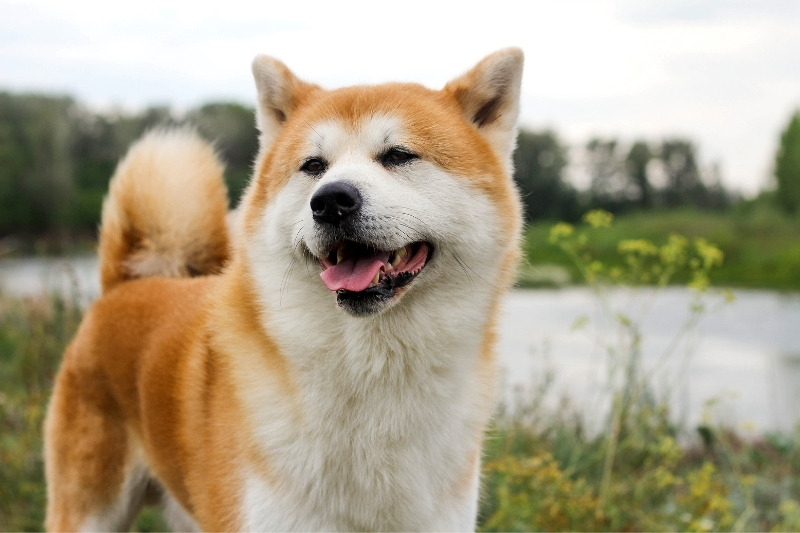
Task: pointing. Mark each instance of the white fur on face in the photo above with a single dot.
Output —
(414, 202)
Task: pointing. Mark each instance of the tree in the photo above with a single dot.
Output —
(611, 187)
(787, 166)
(232, 129)
(99, 141)
(684, 185)
(539, 162)
(636, 166)
(36, 174)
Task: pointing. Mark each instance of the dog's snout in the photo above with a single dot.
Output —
(334, 202)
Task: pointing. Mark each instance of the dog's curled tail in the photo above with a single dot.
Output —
(164, 214)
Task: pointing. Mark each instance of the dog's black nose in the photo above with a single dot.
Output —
(334, 202)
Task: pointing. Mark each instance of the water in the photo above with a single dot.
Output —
(739, 364)
(76, 277)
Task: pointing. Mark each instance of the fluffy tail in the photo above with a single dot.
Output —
(165, 211)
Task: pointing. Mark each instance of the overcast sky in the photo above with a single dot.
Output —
(725, 74)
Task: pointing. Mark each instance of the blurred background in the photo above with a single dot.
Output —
(631, 104)
(678, 118)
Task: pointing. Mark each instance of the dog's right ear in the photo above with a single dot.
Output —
(279, 94)
(488, 96)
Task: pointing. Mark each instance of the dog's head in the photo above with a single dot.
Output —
(372, 193)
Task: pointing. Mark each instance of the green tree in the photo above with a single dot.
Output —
(95, 151)
(36, 171)
(636, 166)
(98, 143)
(609, 187)
(787, 166)
(684, 182)
(232, 129)
(539, 164)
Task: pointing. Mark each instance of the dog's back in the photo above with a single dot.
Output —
(164, 218)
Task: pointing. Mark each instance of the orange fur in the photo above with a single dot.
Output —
(148, 226)
(165, 380)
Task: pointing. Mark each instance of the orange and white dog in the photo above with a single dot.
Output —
(327, 362)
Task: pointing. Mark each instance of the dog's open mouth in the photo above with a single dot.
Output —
(356, 270)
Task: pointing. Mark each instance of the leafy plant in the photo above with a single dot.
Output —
(632, 473)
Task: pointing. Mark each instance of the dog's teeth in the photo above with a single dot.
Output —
(377, 278)
(399, 255)
(340, 254)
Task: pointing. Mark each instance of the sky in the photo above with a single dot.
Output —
(722, 73)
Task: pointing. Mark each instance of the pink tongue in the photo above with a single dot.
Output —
(354, 274)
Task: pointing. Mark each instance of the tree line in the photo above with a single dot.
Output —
(619, 178)
(57, 155)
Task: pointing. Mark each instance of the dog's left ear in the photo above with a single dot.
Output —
(488, 96)
(280, 92)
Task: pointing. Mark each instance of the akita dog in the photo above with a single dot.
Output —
(326, 362)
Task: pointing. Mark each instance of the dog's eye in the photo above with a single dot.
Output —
(397, 156)
(314, 166)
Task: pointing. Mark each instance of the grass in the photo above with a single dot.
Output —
(761, 245)
(545, 472)
(32, 335)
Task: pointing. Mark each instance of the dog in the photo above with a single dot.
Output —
(325, 360)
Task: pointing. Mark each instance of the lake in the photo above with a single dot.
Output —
(738, 364)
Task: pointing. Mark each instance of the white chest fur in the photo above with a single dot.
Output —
(386, 432)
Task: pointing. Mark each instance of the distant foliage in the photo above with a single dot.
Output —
(787, 166)
(664, 174)
(232, 128)
(36, 173)
(33, 335)
(610, 185)
(637, 165)
(58, 156)
(539, 162)
(641, 176)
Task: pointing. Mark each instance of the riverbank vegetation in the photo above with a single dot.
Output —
(545, 472)
(761, 245)
(630, 466)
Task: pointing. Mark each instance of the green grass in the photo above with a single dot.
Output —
(544, 472)
(33, 335)
(761, 246)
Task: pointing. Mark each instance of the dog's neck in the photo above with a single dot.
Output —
(393, 402)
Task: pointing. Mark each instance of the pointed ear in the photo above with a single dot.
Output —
(488, 96)
(279, 94)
